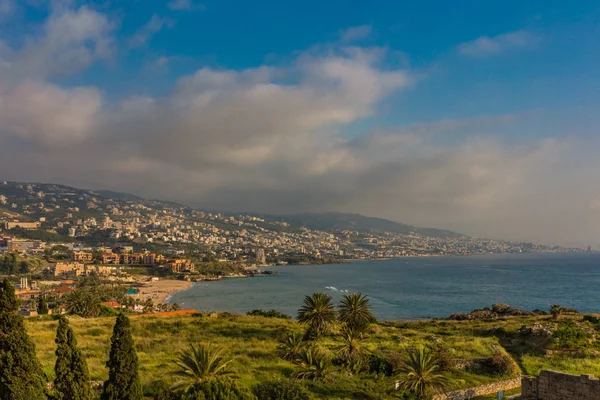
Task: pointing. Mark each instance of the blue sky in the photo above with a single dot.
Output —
(477, 116)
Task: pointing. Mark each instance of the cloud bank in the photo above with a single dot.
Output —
(275, 139)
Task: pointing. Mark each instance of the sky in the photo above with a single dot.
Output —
(476, 116)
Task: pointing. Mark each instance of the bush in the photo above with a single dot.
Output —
(159, 390)
(268, 314)
(591, 319)
(379, 365)
(217, 389)
(281, 390)
(570, 336)
(501, 364)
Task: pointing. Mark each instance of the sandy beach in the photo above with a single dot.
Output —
(158, 291)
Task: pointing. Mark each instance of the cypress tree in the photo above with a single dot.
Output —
(123, 380)
(21, 375)
(72, 380)
(42, 306)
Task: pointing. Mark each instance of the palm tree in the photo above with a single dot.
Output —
(175, 307)
(313, 363)
(421, 374)
(355, 311)
(351, 344)
(556, 310)
(291, 346)
(202, 362)
(317, 311)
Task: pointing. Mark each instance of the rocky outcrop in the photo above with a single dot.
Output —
(497, 310)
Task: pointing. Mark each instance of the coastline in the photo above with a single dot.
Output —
(161, 291)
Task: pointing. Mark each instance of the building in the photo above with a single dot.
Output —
(111, 258)
(180, 265)
(81, 256)
(260, 256)
(21, 224)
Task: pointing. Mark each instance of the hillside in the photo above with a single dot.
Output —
(253, 342)
(357, 222)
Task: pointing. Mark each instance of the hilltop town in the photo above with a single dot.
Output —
(93, 222)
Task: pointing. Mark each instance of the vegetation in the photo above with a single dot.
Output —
(72, 381)
(123, 381)
(218, 389)
(259, 352)
(285, 389)
(268, 314)
(313, 364)
(355, 312)
(201, 363)
(318, 312)
(421, 374)
(21, 375)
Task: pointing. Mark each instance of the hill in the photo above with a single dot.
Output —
(361, 223)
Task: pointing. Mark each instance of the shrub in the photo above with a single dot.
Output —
(159, 390)
(217, 389)
(268, 314)
(281, 390)
(591, 319)
(570, 336)
(501, 364)
(379, 365)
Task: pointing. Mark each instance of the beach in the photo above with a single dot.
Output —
(160, 290)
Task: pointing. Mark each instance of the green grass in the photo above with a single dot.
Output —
(253, 342)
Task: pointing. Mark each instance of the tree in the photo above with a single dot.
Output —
(21, 375)
(42, 306)
(556, 310)
(83, 302)
(355, 311)
(202, 362)
(175, 307)
(72, 380)
(291, 346)
(420, 374)
(351, 346)
(123, 379)
(313, 364)
(318, 312)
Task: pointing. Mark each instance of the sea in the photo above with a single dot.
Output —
(415, 288)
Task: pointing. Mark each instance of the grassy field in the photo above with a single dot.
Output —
(253, 342)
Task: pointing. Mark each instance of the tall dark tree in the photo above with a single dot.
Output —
(72, 380)
(42, 306)
(21, 375)
(123, 379)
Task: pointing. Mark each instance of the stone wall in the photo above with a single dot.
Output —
(491, 388)
(551, 385)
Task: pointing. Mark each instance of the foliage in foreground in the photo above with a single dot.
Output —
(202, 362)
(355, 311)
(281, 390)
(21, 375)
(72, 380)
(421, 374)
(217, 389)
(123, 380)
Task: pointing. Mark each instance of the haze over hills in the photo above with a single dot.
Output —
(105, 217)
(357, 222)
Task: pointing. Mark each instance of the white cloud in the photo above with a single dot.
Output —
(145, 33)
(486, 45)
(356, 33)
(183, 5)
(71, 40)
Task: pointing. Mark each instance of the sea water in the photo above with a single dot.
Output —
(416, 288)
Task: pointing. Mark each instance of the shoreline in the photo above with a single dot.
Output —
(161, 291)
